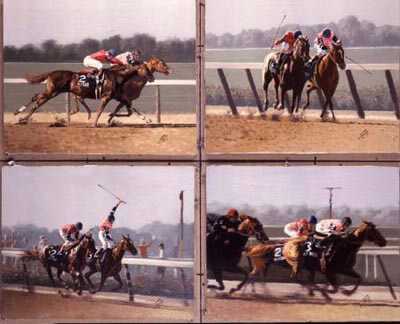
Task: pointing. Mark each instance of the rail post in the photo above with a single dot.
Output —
(254, 90)
(68, 107)
(228, 93)
(158, 104)
(129, 281)
(26, 276)
(388, 282)
(393, 93)
(354, 93)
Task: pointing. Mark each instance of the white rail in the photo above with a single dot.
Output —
(259, 66)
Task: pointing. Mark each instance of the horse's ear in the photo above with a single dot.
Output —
(123, 236)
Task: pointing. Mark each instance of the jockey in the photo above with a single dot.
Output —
(286, 42)
(226, 223)
(329, 232)
(297, 228)
(70, 234)
(101, 60)
(105, 227)
(43, 243)
(133, 58)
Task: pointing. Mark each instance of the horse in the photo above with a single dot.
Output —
(341, 261)
(290, 76)
(112, 265)
(73, 263)
(326, 76)
(82, 86)
(225, 252)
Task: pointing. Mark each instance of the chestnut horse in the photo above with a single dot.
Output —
(112, 265)
(290, 76)
(225, 252)
(326, 76)
(341, 261)
(59, 81)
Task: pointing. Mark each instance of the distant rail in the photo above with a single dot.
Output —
(156, 83)
(247, 67)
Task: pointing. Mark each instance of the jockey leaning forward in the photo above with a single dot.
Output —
(322, 43)
(329, 231)
(225, 223)
(105, 238)
(101, 60)
(286, 42)
(70, 235)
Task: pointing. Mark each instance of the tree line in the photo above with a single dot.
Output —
(349, 29)
(171, 50)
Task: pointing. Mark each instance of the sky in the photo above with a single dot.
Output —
(362, 186)
(265, 14)
(67, 21)
(52, 196)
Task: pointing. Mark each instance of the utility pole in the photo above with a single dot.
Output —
(180, 244)
(331, 198)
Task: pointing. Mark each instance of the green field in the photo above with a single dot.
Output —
(373, 88)
(174, 99)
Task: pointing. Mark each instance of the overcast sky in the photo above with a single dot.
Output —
(362, 187)
(233, 16)
(67, 21)
(52, 196)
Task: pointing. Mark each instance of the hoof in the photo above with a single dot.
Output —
(22, 121)
(232, 290)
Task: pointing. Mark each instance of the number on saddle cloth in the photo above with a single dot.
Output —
(278, 254)
(312, 248)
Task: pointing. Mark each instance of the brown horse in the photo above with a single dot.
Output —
(112, 265)
(74, 263)
(341, 261)
(59, 81)
(326, 76)
(290, 76)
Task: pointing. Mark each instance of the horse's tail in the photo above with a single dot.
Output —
(37, 78)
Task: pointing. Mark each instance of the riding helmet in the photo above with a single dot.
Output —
(232, 212)
(326, 33)
(313, 220)
(297, 33)
(79, 225)
(346, 221)
(112, 52)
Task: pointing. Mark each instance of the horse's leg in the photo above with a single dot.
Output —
(24, 107)
(104, 102)
(84, 104)
(76, 107)
(331, 108)
(353, 274)
(218, 277)
(92, 270)
(50, 274)
(267, 80)
(243, 282)
(281, 105)
(41, 100)
(117, 277)
(311, 88)
(115, 112)
(103, 279)
(276, 85)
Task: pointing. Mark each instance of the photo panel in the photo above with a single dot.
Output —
(132, 64)
(136, 232)
(347, 56)
(302, 243)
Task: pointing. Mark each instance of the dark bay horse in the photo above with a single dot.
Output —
(59, 81)
(291, 75)
(326, 76)
(74, 263)
(224, 253)
(341, 261)
(112, 265)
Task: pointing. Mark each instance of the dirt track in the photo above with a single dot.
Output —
(81, 138)
(35, 306)
(252, 133)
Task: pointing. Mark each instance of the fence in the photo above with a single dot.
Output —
(157, 84)
(176, 263)
(220, 66)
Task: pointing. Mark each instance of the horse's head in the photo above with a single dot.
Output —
(301, 48)
(336, 52)
(252, 226)
(368, 231)
(155, 64)
(89, 242)
(127, 244)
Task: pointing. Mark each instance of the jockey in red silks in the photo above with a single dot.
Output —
(105, 227)
(70, 234)
(300, 227)
(286, 42)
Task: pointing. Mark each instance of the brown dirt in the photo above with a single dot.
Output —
(81, 138)
(24, 305)
(219, 310)
(228, 134)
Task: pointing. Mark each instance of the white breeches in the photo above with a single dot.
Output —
(106, 240)
(91, 62)
(67, 240)
(289, 232)
(320, 51)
